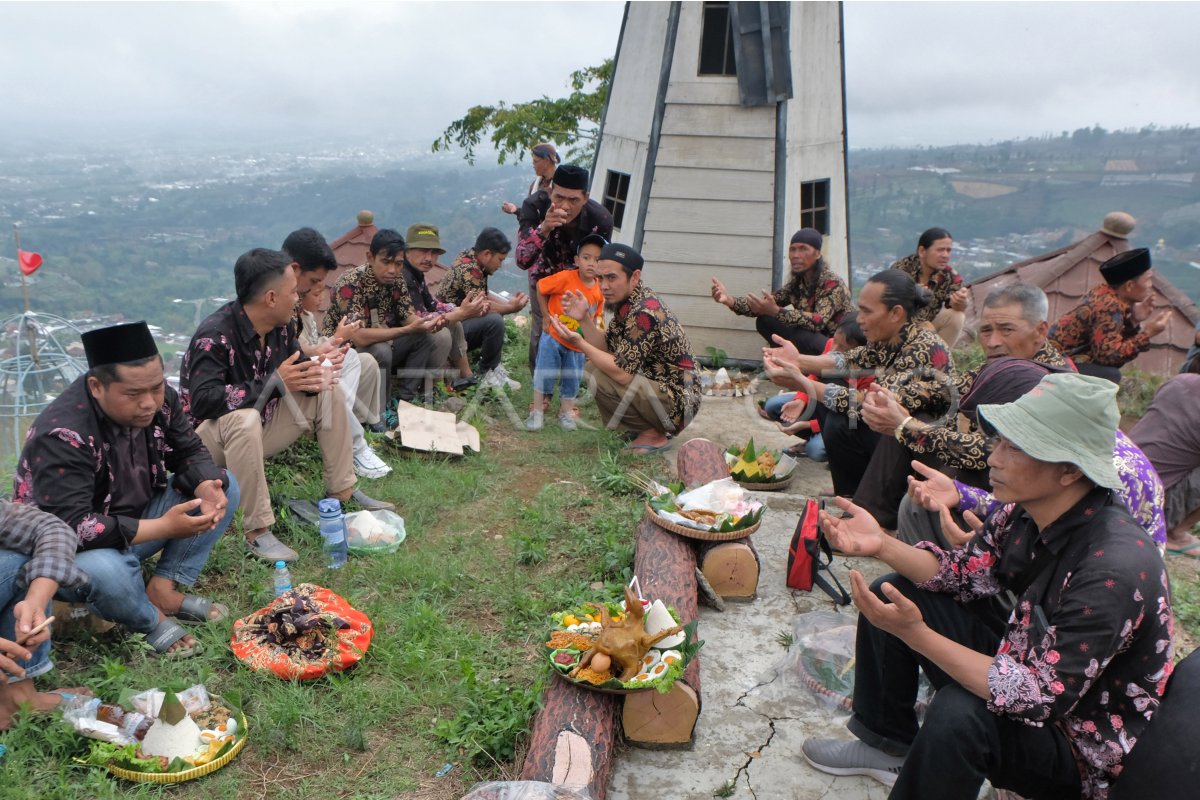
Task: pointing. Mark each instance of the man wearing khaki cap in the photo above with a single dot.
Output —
(423, 245)
(1045, 699)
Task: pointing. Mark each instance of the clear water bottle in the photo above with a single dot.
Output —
(282, 579)
(333, 532)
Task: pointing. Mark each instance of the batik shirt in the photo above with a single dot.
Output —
(819, 301)
(960, 443)
(1100, 331)
(942, 283)
(46, 539)
(378, 305)
(646, 339)
(1087, 647)
(424, 303)
(1141, 490)
(228, 367)
(68, 467)
(542, 256)
(918, 372)
(464, 277)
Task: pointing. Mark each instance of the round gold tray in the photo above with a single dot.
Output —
(194, 772)
(704, 536)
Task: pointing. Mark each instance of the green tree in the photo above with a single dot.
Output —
(573, 121)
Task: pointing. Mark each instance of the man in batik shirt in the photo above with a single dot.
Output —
(251, 394)
(930, 267)
(116, 459)
(1013, 324)
(552, 224)
(1045, 700)
(468, 276)
(642, 367)
(1114, 322)
(818, 299)
(375, 295)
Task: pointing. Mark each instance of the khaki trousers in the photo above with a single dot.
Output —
(948, 324)
(240, 442)
(640, 406)
(449, 345)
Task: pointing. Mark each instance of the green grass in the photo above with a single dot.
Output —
(496, 542)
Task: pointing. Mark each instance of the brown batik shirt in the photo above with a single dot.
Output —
(818, 299)
(378, 305)
(646, 339)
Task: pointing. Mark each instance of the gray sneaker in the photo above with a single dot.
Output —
(567, 422)
(852, 757)
(269, 548)
(535, 421)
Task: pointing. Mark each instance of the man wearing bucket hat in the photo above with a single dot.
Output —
(1113, 323)
(115, 457)
(808, 310)
(1045, 701)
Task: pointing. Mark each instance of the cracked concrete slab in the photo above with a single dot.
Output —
(747, 706)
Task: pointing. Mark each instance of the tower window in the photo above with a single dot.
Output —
(716, 41)
(814, 205)
(616, 192)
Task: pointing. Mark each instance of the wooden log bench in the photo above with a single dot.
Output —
(665, 564)
(572, 740)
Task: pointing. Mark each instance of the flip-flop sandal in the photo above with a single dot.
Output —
(305, 510)
(165, 634)
(199, 610)
(796, 450)
(647, 449)
(1190, 550)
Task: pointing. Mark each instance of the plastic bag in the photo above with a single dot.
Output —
(375, 531)
(527, 790)
(821, 658)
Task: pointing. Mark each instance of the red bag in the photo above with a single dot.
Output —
(804, 565)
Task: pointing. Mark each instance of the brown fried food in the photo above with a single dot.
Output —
(560, 640)
(592, 676)
(701, 516)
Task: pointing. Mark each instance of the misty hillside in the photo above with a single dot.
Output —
(129, 231)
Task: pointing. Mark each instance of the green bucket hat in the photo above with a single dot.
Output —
(423, 237)
(1066, 418)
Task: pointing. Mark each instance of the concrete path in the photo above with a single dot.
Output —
(754, 717)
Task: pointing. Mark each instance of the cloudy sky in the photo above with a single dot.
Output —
(917, 73)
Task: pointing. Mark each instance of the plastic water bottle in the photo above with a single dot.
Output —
(333, 532)
(282, 579)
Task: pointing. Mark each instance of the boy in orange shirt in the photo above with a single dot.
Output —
(555, 358)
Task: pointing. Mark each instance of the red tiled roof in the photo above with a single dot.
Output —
(1067, 274)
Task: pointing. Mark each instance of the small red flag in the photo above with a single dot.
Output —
(29, 262)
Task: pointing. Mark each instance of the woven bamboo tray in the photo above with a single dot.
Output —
(194, 772)
(766, 486)
(704, 536)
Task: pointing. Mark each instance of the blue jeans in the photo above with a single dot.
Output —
(774, 405)
(554, 360)
(815, 449)
(116, 591)
(11, 563)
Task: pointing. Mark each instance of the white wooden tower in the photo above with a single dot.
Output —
(725, 131)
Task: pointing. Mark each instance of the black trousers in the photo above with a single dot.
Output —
(850, 446)
(486, 334)
(885, 479)
(961, 742)
(1100, 371)
(809, 343)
